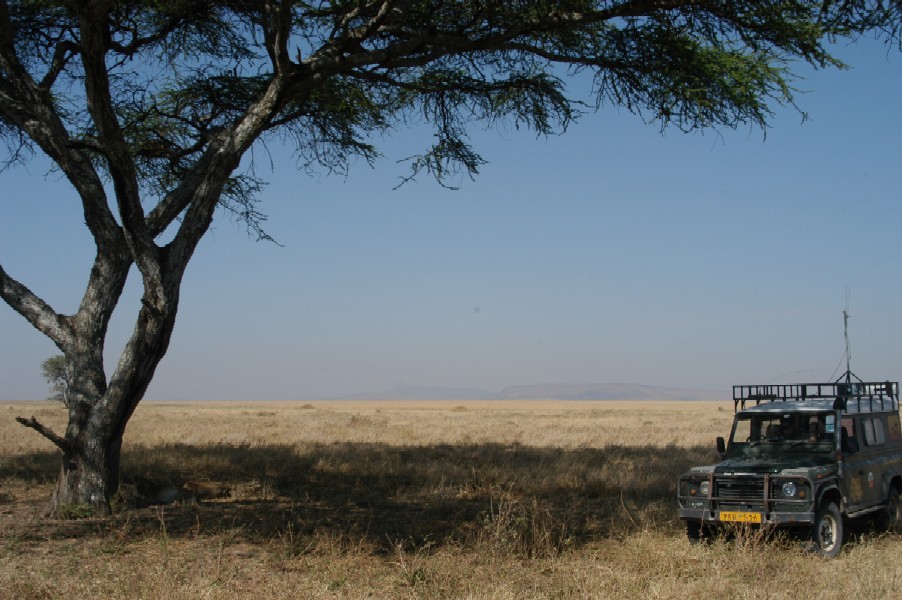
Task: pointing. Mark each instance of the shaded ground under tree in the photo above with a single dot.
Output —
(533, 500)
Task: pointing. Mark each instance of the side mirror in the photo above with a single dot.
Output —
(721, 446)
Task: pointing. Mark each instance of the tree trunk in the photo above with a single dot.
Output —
(88, 476)
(98, 414)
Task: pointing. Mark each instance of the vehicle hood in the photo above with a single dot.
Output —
(772, 464)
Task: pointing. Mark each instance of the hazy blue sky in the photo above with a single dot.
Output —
(612, 253)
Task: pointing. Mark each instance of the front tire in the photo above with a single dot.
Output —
(696, 532)
(827, 531)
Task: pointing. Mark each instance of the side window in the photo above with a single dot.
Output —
(874, 432)
(879, 431)
(867, 425)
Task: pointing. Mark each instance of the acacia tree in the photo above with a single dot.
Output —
(147, 108)
(54, 371)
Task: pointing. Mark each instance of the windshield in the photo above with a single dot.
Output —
(789, 431)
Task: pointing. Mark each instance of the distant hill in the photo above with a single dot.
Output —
(426, 393)
(606, 391)
(592, 391)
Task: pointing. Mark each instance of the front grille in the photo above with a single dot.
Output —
(736, 489)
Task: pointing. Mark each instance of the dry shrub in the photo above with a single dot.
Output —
(514, 527)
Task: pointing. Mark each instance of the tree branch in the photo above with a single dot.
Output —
(94, 33)
(137, 42)
(32, 109)
(36, 311)
(200, 190)
(64, 51)
(276, 24)
(6, 30)
(48, 433)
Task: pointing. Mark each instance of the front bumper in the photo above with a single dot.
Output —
(773, 518)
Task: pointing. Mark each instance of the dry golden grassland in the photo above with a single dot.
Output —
(430, 500)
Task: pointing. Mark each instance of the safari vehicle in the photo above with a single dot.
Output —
(808, 456)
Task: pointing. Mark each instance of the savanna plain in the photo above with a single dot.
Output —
(408, 499)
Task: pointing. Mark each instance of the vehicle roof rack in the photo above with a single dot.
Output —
(850, 396)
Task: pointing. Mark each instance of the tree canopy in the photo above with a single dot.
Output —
(165, 83)
(148, 108)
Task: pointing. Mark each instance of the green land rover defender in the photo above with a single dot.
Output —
(809, 456)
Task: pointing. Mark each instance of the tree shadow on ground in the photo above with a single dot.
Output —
(386, 495)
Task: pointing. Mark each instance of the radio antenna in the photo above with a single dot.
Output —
(845, 318)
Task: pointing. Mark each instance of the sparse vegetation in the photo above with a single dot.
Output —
(407, 500)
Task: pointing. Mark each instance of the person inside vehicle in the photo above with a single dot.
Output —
(791, 429)
(816, 430)
(773, 433)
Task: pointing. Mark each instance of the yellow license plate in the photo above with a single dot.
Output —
(741, 517)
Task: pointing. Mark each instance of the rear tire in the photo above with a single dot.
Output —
(891, 517)
(827, 531)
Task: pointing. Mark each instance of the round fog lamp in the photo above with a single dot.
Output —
(789, 489)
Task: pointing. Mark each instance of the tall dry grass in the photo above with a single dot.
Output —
(408, 500)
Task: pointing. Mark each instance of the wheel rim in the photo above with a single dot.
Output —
(826, 533)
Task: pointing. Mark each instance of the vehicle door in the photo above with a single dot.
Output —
(870, 462)
(856, 486)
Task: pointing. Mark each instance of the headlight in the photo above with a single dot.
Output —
(789, 489)
(694, 492)
(695, 488)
